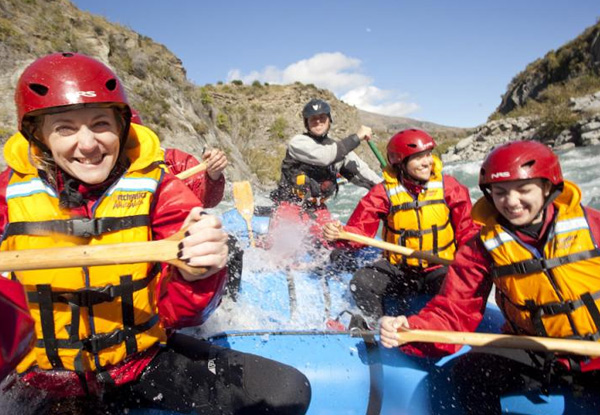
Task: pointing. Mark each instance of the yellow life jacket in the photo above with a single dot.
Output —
(90, 317)
(421, 223)
(553, 293)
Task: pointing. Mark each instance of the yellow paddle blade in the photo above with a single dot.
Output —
(242, 196)
(244, 203)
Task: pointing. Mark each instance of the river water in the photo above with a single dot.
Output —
(580, 165)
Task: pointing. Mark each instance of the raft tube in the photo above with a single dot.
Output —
(352, 375)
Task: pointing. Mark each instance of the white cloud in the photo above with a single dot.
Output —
(372, 99)
(340, 74)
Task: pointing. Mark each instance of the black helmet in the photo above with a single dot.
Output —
(316, 107)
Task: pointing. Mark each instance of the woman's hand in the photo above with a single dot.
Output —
(204, 244)
(216, 161)
(388, 329)
(331, 230)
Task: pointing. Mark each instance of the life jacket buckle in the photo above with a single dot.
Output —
(83, 227)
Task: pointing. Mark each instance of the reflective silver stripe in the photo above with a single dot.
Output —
(498, 240)
(396, 190)
(435, 185)
(134, 185)
(31, 187)
(570, 225)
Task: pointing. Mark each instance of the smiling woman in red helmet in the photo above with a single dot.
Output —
(422, 209)
(538, 246)
(81, 174)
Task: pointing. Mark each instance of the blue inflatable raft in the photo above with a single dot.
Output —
(349, 375)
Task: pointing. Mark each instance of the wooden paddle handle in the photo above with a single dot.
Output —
(250, 232)
(164, 250)
(543, 344)
(191, 171)
(399, 249)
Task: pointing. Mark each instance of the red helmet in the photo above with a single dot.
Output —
(63, 79)
(406, 143)
(135, 117)
(520, 160)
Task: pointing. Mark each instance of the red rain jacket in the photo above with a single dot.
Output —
(16, 330)
(209, 191)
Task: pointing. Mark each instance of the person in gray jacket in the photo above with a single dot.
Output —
(313, 160)
(310, 168)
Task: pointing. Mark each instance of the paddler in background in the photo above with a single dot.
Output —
(81, 174)
(309, 171)
(538, 247)
(421, 209)
(209, 186)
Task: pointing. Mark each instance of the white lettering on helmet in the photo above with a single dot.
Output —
(315, 107)
(72, 96)
(500, 174)
(428, 145)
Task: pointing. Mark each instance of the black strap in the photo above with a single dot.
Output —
(568, 306)
(87, 297)
(127, 311)
(535, 313)
(434, 231)
(540, 264)
(357, 322)
(590, 303)
(44, 292)
(98, 342)
(416, 204)
(538, 311)
(83, 227)
(415, 233)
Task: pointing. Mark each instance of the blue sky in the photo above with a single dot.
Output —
(439, 61)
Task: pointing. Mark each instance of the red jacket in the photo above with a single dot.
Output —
(462, 300)
(180, 303)
(209, 191)
(375, 205)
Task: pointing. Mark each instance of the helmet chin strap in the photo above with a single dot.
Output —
(315, 136)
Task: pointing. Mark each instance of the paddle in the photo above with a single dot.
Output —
(244, 203)
(164, 250)
(191, 171)
(543, 344)
(377, 153)
(399, 249)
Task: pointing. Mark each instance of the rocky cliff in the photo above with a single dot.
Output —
(556, 100)
(252, 123)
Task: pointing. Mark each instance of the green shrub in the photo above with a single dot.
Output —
(277, 129)
(265, 164)
(223, 122)
(256, 84)
(205, 97)
(237, 82)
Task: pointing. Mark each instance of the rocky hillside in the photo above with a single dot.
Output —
(556, 100)
(250, 122)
